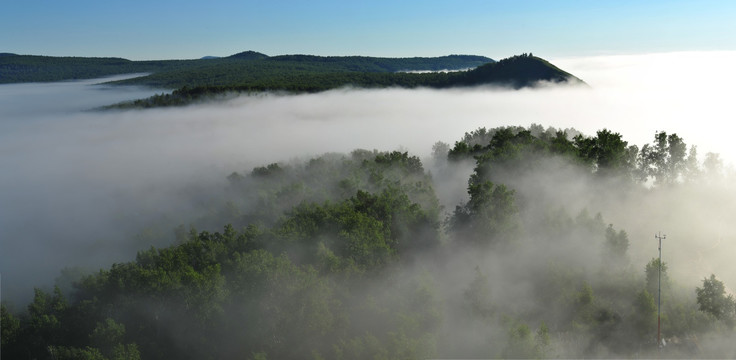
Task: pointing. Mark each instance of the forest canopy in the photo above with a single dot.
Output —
(352, 256)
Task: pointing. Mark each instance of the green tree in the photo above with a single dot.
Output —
(644, 316)
(607, 153)
(46, 313)
(489, 217)
(440, 150)
(71, 353)
(478, 296)
(652, 272)
(691, 169)
(108, 337)
(522, 344)
(9, 331)
(617, 243)
(712, 299)
(664, 161)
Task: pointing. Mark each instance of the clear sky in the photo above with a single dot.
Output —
(165, 29)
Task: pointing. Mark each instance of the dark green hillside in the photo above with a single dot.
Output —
(518, 71)
(32, 68)
(296, 72)
(24, 68)
(248, 55)
(236, 69)
(305, 73)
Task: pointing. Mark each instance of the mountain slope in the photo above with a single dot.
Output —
(517, 71)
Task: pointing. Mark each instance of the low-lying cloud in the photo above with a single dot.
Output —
(77, 185)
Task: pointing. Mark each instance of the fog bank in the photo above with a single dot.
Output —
(78, 186)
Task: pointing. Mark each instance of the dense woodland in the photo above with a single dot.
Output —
(252, 72)
(351, 256)
(515, 72)
(228, 71)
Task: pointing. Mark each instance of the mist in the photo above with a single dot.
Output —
(83, 188)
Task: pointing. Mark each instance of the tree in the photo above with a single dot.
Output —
(607, 153)
(489, 217)
(652, 276)
(108, 337)
(522, 344)
(713, 166)
(691, 169)
(664, 161)
(478, 296)
(617, 243)
(644, 315)
(712, 299)
(9, 330)
(46, 314)
(440, 151)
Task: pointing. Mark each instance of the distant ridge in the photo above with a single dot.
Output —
(310, 74)
(236, 69)
(8, 54)
(248, 55)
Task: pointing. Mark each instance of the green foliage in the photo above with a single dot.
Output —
(108, 337)
(46, 313)
(522, 344)
(478, 296)
(652, 272)
(67, 353)
(489, 217)
(607, 153)
(664, 161)
(644, 316)
(366, 229)
(326, 258)
(10, 329)
(713, 300)
(272, 170)
(617, 243)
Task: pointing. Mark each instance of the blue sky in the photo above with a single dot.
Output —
(166, 29)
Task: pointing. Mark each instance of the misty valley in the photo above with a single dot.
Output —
(347, 225)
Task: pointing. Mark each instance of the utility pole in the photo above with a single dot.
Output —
(659, 290)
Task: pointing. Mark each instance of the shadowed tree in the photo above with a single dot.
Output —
(712, 299)
(489, 217)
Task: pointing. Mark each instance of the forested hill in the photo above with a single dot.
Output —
(251, 71)
(351, 256)
(230, 70)
(304, 73)
(297, 72)
(518, 71)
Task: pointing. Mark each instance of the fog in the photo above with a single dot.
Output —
(82, 188)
